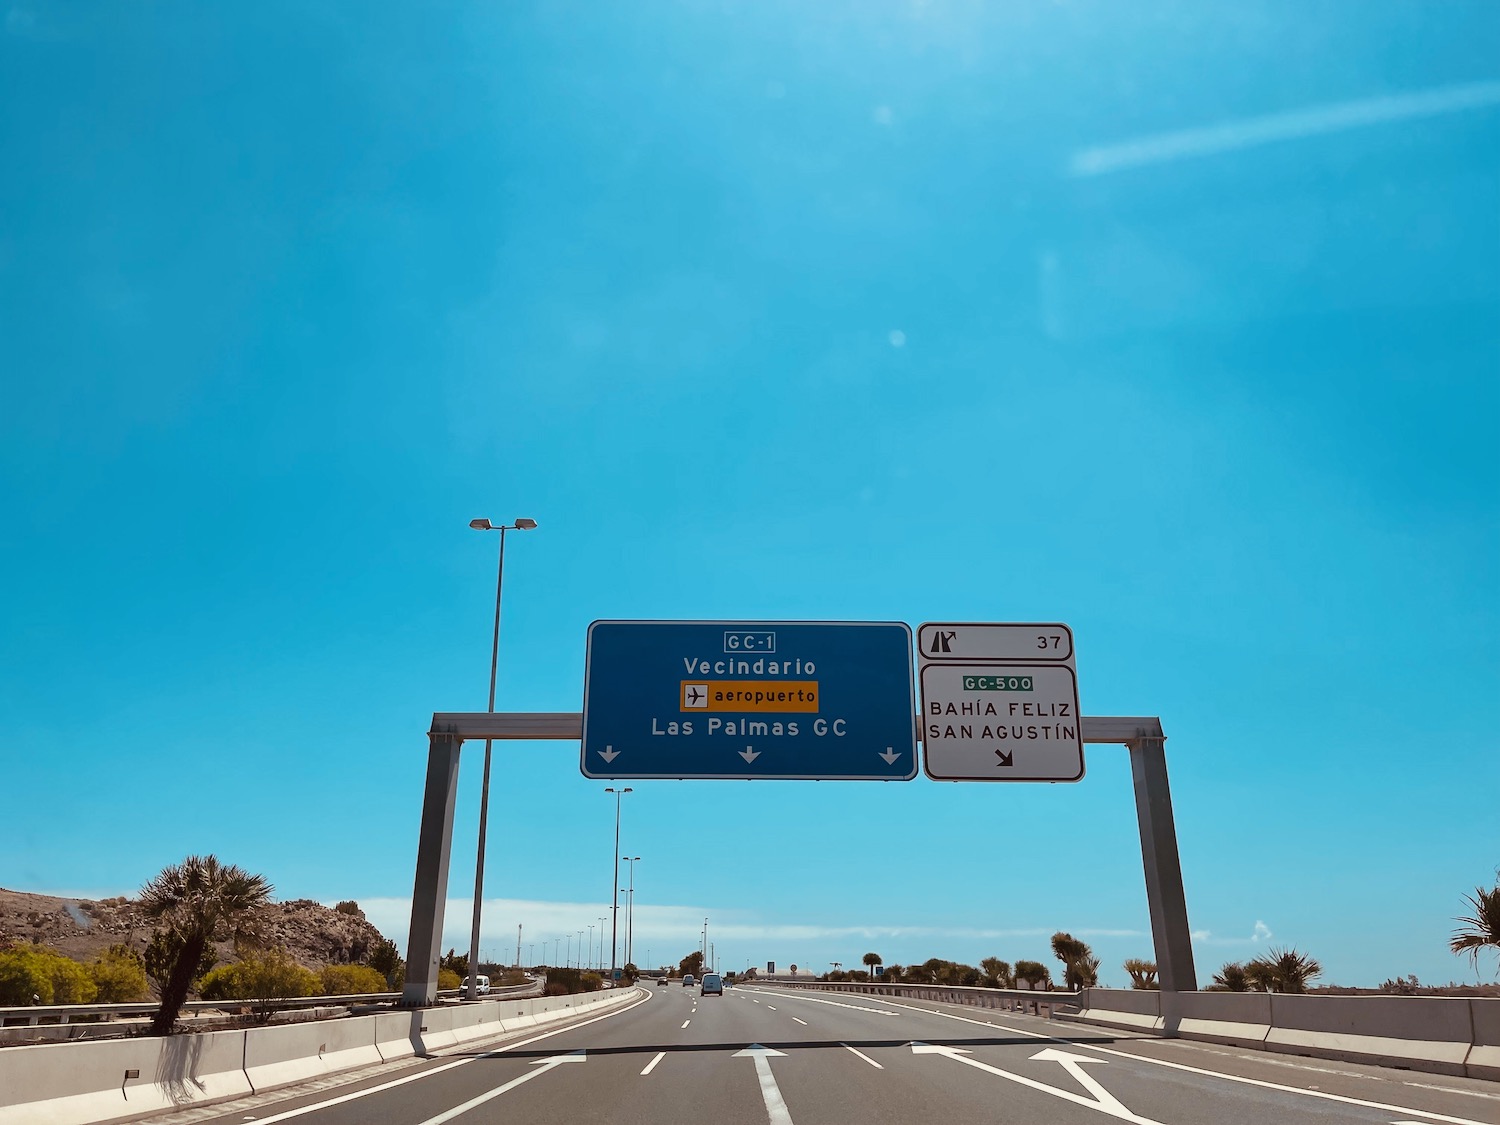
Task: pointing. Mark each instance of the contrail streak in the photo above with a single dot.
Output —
(1162, 148)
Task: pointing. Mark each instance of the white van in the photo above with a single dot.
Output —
(484, 986)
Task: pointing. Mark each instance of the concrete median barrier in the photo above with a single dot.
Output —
(1241, 1019)
(85, 1082)
(1484, 1056)
(1433, 1033)
(279, 1056)
(1135, 1009)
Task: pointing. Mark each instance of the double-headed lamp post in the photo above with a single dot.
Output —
(472, 992)
(614, 911)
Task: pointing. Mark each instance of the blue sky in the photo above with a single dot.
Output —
(1179, 325)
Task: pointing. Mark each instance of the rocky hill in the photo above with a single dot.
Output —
(314, 934)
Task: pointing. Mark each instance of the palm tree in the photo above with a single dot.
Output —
(1283, 970)
(871, 960)
(1142, 973)
(1480, 930)
(1080, 966)
(1231, 977)
(196, 903)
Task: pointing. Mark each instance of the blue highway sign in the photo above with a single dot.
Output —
(808, 700)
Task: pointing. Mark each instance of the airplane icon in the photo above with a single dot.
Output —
(694, 696)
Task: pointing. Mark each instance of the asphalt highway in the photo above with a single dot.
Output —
(760, 1055)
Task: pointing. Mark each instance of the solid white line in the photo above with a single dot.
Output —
(1200, 1070)
(862, 1055)
(287, 1115)
(796, 1020)
(836, 1004)
(491, 1095)
(650, 1066)
(1452, 1090)
(685, 1023)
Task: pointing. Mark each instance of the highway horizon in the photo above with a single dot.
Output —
(761, 1054)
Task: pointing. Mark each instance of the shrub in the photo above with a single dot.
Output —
(1142, 973)
(447, 979)
(119, 975)
(569, 980)
(1034, 973)
(351, 980)
(349, 906)
(591, 982)
(270, 976)
(385, 959)
(35, 970)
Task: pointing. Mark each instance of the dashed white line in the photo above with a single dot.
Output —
(862, 1055)
(771, 1006)
(650, 1066)
(796, 1020)
(686, 1022)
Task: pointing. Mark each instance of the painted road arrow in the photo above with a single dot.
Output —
(890, 755)
(1073, 1065)
(609, 753)
(543, 1066)
(1106, 1105)
(775, 1106)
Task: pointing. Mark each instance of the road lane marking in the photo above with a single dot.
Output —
(862, 1055)
(685, 1023)
(287, 1115)
(650, 1066)
(543, 1066)
(851, 1007)
(1453, 1090)
(770, 1093)
(1323, 1094)
(1073, 1064)
(1111, 1107)
(771, 1006)
(796, 1020)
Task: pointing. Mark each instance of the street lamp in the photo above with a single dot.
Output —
(601, 942)
(630, 911)
(580, 949)
(484, 794)
(614, 911)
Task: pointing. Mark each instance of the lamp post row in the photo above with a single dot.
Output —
(472, 989)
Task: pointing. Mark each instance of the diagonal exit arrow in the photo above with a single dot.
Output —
(771, 1093)
(609, 753)
(1006, 758)
(890, 755)
(543, 1066)
(1105, 1102)
(1073, 1065)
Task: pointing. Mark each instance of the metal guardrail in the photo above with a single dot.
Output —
(1010, 999)
(52, 1014)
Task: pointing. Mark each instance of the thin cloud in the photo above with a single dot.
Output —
(1260, 933)
(1249, 132)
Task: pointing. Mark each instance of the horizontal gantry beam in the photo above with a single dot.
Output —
(569, 725)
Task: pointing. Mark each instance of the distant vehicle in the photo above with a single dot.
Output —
(687, 980)
(729, 981)
(661, 982)
(484, 985)
(712, 982)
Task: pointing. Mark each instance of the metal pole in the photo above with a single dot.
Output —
(484, 792)
(1164, 894)
(518, 945)
(430, 885)
(614, 910)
